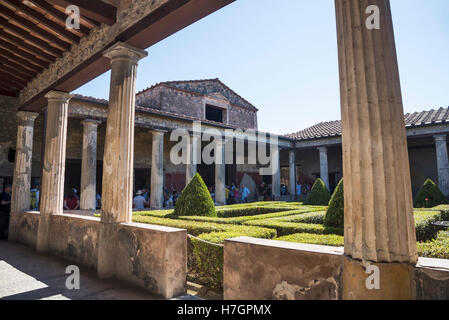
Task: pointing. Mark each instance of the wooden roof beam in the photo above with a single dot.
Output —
(15, 72)
(19, 52)
(8, 55)
(20, 43)
(96, 10)
(34, 27)
(19, 67)
(5, 24)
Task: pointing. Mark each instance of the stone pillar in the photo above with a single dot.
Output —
(324, 169)
(220, 173)
(89, 165)
(191, 166)
(442, 163)
(379, 223)
(118, 152)
(21, 186)
(52, 191)
(157, 171)
(276, 177)
(292, 172)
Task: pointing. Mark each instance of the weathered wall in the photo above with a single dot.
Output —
(298, 271)
(151, 257)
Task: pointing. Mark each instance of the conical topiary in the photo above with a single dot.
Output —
(319, 195)
(195, 200)
(335, 216)
(429, 196)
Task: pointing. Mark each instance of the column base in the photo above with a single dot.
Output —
(43, 234)
(13, 229)
(381, 281)
(107, 244)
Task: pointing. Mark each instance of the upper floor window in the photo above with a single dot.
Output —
(214, 114)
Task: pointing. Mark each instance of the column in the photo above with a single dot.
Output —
(442, 163)
(157, 171)
(292, 172)
(52, 191)
(191, 165)
(220, 173)
(276, 177)
(20, 199)
(89, 165)
(324, 170)
(379, 223)
(118, 153)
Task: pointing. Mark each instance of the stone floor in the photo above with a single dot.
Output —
(25, 275)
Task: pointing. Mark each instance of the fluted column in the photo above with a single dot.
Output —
(220, 173)
(276, 177)
(157, 171)
(292, 172)
(52, 192)
(119, 151)
(379, 223)
(191, 165)
(324, 167)
(89, 165)
(20, 199)
(442, 163)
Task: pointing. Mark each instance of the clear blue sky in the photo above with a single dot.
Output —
(282, 57)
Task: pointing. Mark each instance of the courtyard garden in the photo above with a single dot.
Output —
(208, 226)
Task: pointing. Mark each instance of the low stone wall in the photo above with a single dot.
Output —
(259, 269)
(152, 257)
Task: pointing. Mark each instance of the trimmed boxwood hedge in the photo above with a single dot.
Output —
(319, 194)
(429, 196)
(436, 248)
(425, 230)
(195, 200)
(335, 215)
(316, 217)
(286, 228)
(321, 239)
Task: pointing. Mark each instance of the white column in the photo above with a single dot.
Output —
(118, 158)
(52, 193)
(89, 165)
(191, 166)
(220, 173)
(292, 172)
(276, 177)
(157, 171)
(442, 163)
(324, 170)
(20, 199)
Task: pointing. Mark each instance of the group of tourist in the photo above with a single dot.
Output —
(142, 198)
(234, 194)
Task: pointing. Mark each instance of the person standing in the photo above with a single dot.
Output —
(245, 194)
(5, 209)
(139, 201)
(71, 201)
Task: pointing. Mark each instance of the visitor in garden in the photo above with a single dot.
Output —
(284, 190)
(236, 194)
(245, 193)
(139, 201)
(298, 189)
(34, 199)
(71, 201)
(262, 190)
(5, 208)
(231, 194)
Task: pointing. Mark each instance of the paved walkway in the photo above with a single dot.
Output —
(25, 275)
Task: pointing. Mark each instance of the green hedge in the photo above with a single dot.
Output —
(437, 248)
(335, 216)
(308, 217)
(195, 200)
(321, 239)
(429, 196)
(319, 194)
(425, 230)
(286, 228)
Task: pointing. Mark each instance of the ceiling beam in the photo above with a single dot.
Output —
(96, 10)
(8, 55)
(19, 42)
(22, 53)
(17, 83)
(15, 72)
(62, 31)
(4, 61)
(29, 37)
(34, 27)
(8, 93)
(42, 4)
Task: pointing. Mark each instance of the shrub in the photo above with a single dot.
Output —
(425, 230)
(429, 196)
(335, 213)
(437, 248)
(309, 217)
(195, 200)
(319, 195)
(320, 239)
(286, 228)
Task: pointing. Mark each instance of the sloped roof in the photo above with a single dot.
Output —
(205, 87)
(333, 128)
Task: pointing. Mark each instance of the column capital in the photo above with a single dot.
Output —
(27, 116)
(322, 149)
(158, 133)
(91, 122)
(54, 95)
(440, 137)
(121, 50)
